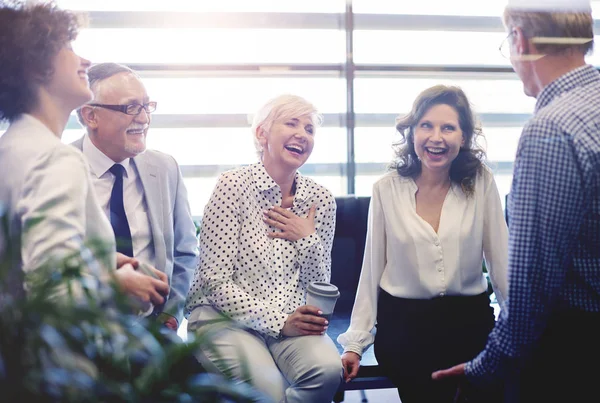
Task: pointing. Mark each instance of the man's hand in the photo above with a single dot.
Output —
(292, 227)
(350, 363)
(124, 259)
(305, 321)
(455, 371)
(142, 286)
(168, 320)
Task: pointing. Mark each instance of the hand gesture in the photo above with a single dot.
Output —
(350, 363)
(305, 321)
(124, 259)
(143, 286)
(168, 320)
(455, 371)
(292, 227)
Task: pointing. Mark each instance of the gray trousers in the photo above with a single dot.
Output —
(304, 369)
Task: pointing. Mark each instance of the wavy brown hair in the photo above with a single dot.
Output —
(469, 160)
(31, 35)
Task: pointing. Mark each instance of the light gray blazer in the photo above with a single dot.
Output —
(173, 231)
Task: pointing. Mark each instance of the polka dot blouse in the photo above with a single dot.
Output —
(256, 280)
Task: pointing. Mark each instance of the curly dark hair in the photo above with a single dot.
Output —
(469, 160)
(31, 35)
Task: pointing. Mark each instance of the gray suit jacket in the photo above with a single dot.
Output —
(173, 230)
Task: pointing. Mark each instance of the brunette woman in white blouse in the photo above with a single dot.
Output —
(432, 220)
(267, 233)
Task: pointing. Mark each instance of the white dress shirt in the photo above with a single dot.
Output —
(405, 257)
(254, 279)
(46, 187)
(133, 197)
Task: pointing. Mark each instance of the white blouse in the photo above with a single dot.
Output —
(405, 257)
(256, 280)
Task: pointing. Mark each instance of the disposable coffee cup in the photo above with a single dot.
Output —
(145, 309)
(323, 296)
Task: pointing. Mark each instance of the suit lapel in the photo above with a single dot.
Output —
(151, 180)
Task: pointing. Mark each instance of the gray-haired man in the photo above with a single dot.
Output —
(142, 191)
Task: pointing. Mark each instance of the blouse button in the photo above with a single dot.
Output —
(437, 242)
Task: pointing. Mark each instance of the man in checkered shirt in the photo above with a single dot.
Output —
(546, 344)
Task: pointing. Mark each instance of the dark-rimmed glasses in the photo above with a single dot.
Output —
(131, 109)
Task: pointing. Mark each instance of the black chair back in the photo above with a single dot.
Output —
(348, 248)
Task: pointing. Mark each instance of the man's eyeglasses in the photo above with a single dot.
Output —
(131, 109)
(539, 40)
(505, 46)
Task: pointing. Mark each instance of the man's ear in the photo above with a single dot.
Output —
(89, 116)
(521, 43)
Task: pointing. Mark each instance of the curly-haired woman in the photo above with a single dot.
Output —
(46, 187)
(432, 221)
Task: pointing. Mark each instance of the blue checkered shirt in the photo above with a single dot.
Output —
(554, 218)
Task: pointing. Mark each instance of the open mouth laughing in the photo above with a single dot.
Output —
(295, 149)
(436, 151)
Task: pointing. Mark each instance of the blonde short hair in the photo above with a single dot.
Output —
(282, 107)
(563, 24)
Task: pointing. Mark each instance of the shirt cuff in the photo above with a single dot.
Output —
(307, 241)
(471, 371)
(354, 348)
(481, 370)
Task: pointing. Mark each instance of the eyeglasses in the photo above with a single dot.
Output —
(539, 40)
(504, 47)
(131, 109)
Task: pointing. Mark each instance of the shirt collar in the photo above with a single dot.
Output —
(99, 162)
(575, 78)
(264, 182)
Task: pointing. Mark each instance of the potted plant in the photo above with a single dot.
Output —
(74, 338)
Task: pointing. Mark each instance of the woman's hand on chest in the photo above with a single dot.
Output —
(292, 226)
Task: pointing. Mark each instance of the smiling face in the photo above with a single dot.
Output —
(288, 143)
(69, 83)
(438, 138)
(119, 136)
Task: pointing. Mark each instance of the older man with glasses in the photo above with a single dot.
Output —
(546, 343)
(141, 191)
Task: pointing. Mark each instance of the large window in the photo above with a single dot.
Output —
(438, 48)
(328, 6)
(211, 64)
(461, 7)
(241, 95)
(502, 93)
(209, 46)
